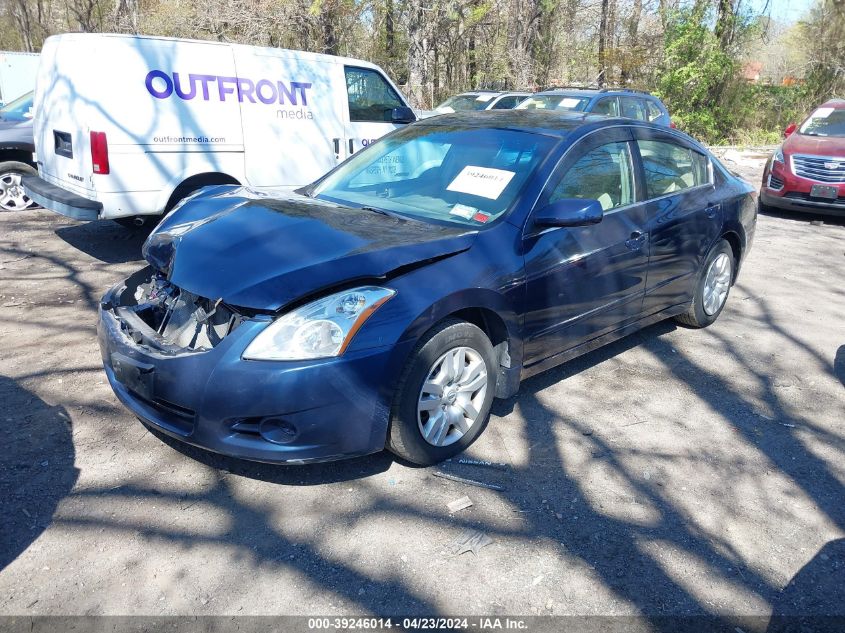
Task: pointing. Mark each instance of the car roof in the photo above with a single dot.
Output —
(593, 92)
(490, 92)
(558, 123)
(834, 103)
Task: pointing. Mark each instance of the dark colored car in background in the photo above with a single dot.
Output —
(631, 104)
(481, 100)
(16, 148)
(807, 172)
(388, 307)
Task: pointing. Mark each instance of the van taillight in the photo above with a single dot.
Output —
(99, 152)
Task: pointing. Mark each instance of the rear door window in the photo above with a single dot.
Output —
(608, 106)
(371, 98)
(652, 111)
(632, 108)
(670, 167)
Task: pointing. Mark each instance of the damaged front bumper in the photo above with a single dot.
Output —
(203, 393)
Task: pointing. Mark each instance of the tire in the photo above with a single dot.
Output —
(703, 311)
(461, 342)
(12, 196)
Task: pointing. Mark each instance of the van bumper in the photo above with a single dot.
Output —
(61, 200)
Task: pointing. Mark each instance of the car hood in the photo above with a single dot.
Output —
(263, 252)
(814, 145)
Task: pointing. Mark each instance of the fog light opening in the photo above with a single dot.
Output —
(278, 431)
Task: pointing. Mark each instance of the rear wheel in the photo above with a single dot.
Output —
(12, 195)
(444, 396)
(712, 287)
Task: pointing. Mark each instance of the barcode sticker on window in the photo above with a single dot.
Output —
(481, 181)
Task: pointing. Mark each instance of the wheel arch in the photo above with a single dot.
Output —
(491, 313)
(19, 154)
(736, 244)
(195, 182)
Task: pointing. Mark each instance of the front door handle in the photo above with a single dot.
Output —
(336, 142)
(636, 241)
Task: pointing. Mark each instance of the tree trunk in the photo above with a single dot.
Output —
(725, 24)
(603, 31)
(633, 45)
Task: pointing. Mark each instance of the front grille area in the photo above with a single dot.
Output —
(795, 195)
(775, 182)
(819, 168)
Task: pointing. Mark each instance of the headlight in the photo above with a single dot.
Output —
(320, 329)
(778, 155)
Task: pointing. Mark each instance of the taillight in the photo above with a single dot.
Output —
(672, 125)
(99, 152)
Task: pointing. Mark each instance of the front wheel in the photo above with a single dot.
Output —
(443, 400)
(712, 287)
(12, 195)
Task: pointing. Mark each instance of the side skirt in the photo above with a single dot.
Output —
(600, 341)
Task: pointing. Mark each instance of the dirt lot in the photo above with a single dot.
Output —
(674, 472)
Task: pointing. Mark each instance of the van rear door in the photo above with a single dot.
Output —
(291, 108)
(60, 148)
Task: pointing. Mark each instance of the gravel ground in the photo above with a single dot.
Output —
(673, 472)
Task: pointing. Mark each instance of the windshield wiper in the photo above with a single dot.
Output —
(382, 212)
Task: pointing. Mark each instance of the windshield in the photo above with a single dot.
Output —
(18, 110)
(439, 173)
(465, 102)
(825, 122)
(554, 102)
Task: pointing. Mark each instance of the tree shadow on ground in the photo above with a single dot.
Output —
(815, 595)
(610, 544)
(839, 364)
(36, 466)
(106, 241)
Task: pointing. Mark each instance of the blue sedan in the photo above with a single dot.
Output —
(387, 304)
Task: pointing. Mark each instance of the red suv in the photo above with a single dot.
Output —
(807, 172)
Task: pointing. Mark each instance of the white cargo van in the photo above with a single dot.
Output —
(127, 126)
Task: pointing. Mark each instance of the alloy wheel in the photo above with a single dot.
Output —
(12, 195)
(717, 281)
(452, 396)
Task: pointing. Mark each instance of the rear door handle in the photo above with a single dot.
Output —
(351, 151)
(712, 210)
(636, 241)
(336, 142)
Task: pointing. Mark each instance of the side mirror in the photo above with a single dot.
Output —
(789, 129)
(403, 115)
(570, 212)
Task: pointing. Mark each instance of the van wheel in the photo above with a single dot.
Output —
(12, 195)
(712, 288)
(443, 400)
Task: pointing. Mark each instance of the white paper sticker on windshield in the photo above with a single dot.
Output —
(484, 98)
(481, 181)
(569, 103)
(463, 211)
(822, 113)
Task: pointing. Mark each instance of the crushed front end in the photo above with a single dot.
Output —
(175, 360)
(155, 313)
